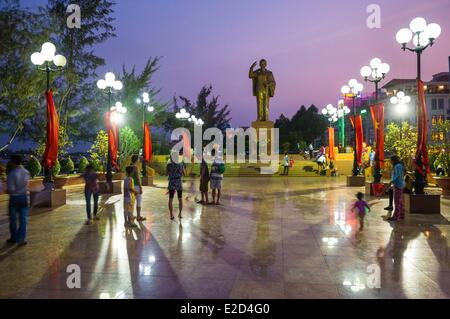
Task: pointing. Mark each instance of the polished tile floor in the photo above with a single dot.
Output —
(272, 238)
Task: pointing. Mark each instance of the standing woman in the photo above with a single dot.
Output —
(175, 171)
(398, 182)
(204, 181)
(91, 190)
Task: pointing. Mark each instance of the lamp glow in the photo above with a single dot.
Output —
(418, 25)
(366, 71)
(37, 58)
(375, 63)
(404, 36)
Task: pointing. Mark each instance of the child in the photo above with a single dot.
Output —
(129, 198)
(361, 206)
(91, 189)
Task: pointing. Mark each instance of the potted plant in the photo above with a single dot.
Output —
(59, 181)
(442, 162)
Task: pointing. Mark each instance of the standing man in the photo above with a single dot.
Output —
(217, 170)
(137, 187)
(264, 86)
(311, 151)
(17, 187)
(287, 164)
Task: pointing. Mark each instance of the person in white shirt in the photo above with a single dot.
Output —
(17, 187)
(216, 177)
(287, 165)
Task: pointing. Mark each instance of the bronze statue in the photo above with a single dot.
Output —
(263, 88)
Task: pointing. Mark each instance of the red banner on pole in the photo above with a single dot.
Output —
(113, 139)
(359, 137)
(51, 147)
(378, 124)
(331, 154)
(147, 143)
(422, 130)
(186, 146)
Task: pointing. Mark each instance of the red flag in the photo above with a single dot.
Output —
(422, 130)
(51, 148)
(359, 137)
(186, 146)
(331, 154)
(378, 124)
(147, 143)
(113, 138)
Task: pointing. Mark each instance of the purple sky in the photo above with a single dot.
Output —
(313, 47)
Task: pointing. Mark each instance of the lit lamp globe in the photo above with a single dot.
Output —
(60, 61)
(37, 58)
(407, 99)
(117, 85)
(404, 36)
(110, 78)
(366, 71)
(421, 41)
(324, 112)
(375, 63)
(433, 31)
(418, 25)
(359, 88)
(101, 84)
(394, 100)
(48, 51)
(385, 68)
(345, 90)
(352, 83)
(150, 109)
(401, 95)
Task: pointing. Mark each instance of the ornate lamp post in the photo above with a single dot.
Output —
(47, 61)
(353, 90)
(145, 101)
(182, 115)
(423, 36)
(108, 86)
(401, 100)
(375, 73)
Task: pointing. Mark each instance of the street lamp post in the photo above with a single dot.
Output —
(145, 101)
(401, 100)
(117, 113)
(346, 111)
(108, 86)
(423, 36)
(48, 61)
(375, 73)
(353, 90)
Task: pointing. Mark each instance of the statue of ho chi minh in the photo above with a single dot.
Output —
(263, 88)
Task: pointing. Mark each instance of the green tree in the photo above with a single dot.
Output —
(20, 83)
(99, 150)
(34, 167)
(443, 146)
(82, 164)
(67, 166)
(129, 145)
(207, 107)
(56, 169)
(64, 143)
(401, 140)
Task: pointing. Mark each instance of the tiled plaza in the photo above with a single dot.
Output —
(271, 238)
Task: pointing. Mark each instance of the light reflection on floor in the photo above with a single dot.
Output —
(272, 238)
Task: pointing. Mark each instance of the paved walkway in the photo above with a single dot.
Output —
(272, 238)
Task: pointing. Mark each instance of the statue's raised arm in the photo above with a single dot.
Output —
(251, 73)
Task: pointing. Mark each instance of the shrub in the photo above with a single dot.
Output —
(67, 166)
(83, 164)
(56, 168)
(97, 165)
(34, 167)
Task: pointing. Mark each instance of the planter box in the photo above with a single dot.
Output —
(356, 181)
(119, 176)
(422, 204)
(369, 188)
(101, 177)
(36, 185)
(147, 181)
(48, 198)
(444, 183)
(60, 182)
(114, 189)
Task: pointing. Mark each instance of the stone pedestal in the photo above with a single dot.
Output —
(356, 181)
(369, 188)
(422, 204)
(48, 198)
(147, 181)
(114, 189)
(268, 125)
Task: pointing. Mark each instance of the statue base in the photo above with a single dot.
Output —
(268, 126)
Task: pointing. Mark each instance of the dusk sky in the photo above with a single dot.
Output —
(313, 47)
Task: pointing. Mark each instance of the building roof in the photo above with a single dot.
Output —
(396, 82)
(441, 77)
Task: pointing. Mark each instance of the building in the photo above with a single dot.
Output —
(437, 96)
